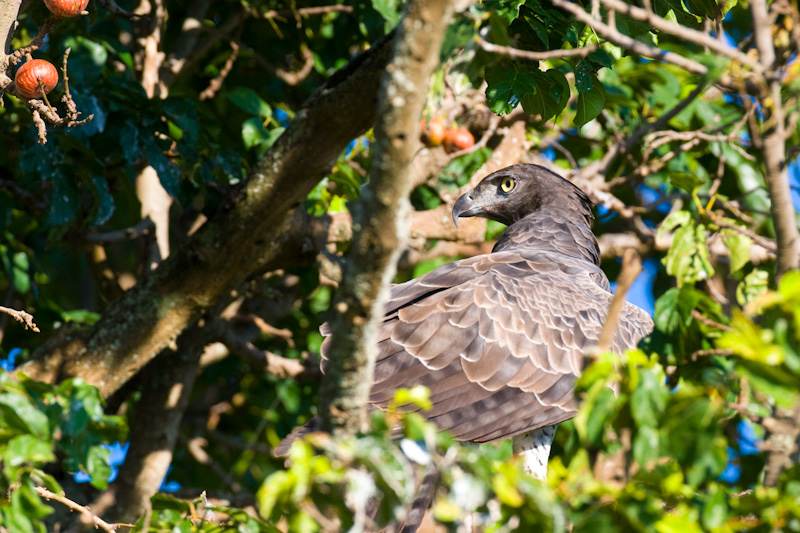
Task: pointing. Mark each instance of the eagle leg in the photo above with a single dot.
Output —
(534, 449)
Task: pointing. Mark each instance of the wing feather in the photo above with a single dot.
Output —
(498, 339)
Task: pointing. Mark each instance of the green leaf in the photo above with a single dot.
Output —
(667, 318)
(506, 10)
(103, 201)
(715, 508)
(739, 246)
(704, 8)
(507, 86)
(64, 202)
(590, 103)
(390, 10)
(592, 419)
(248, 100)
(675, 219)
(664, 8)
(560, 89)
(688, 257)
(18, 269)
(97, 466)
(168, 172)
(546, 100)
(646, 446)
(649, 397)
(21, 414)
(27, 449)
(253, 132)
(685, 180)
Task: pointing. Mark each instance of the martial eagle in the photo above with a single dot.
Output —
(499, 339)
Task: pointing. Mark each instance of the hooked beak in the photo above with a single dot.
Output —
(465, 207)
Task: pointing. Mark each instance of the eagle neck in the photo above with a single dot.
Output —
(554, 232)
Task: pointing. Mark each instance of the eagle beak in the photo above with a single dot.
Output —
(465, 207)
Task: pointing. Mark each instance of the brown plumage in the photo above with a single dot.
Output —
(499, 338)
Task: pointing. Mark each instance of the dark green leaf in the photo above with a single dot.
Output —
(248, 100)
(590, 103)
(22, 415)
(507, 86)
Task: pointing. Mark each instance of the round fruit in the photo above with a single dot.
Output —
(436, 131)
(28, 76)
(458, 139)
(66, 8)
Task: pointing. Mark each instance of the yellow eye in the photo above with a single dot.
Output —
(508, 185)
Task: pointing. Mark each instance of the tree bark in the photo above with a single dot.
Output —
(774, 148)
(166, 391)
(149, 317)
(381, 217)
(8, 23)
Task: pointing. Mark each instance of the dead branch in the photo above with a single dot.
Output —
(306, 11)
(35, 44)
(638, 47)
(143, 228)
(295, 77)
(535, 56)
(24, 318)
(196, 448)
(686, 34)
(631, 267)
(271, 363)
(710, 353)
(216, 83)
(697, 315)
(95, 520)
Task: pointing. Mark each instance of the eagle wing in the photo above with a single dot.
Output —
(498, 339)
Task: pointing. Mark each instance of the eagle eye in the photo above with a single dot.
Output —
(508, 184)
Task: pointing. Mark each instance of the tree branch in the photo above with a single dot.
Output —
(93, 519)
(250, 231)
(24, 318)
(686, 34)
(774, 150)
(535, 56)
(381, 218)
(630, 43)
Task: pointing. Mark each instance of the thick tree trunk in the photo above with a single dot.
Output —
(381, 218)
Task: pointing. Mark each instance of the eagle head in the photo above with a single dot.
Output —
(515, 192)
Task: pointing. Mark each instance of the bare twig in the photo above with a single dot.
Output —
(709, 353)
(614, 36)
(294, 77)
(85, 511)
(142, 229)
(36, 43)
(535, 56)
(631, 267)
(685, 33)
(263, 359)
(24, 318)
(697, 315)
(306, 11)
(216, 83)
